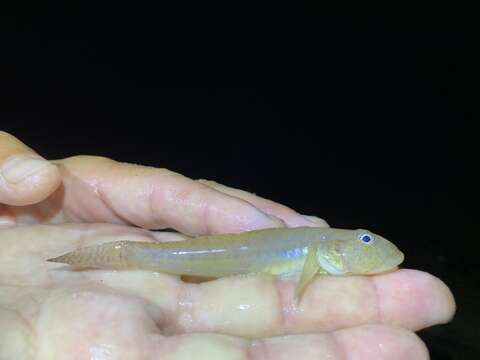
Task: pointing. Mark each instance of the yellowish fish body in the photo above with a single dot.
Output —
(279, 251)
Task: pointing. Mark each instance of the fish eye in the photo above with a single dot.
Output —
(366, 238)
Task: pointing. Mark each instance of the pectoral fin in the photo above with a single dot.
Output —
(310, 269)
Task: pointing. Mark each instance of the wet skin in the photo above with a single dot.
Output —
(49, 311)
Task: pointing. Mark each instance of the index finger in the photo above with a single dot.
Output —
(103, 190)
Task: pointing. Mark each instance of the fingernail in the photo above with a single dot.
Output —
(19, 167)
(265, 221)
(276, 220)
(316, 220)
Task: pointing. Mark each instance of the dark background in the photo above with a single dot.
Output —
(366, 121)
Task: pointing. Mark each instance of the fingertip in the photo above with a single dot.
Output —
(286, 215)
(380, 342)
(414, 299)
(294, 219)
(246, 218)
(269, 221)
(27, 179)
(316, 221)
(443, 306)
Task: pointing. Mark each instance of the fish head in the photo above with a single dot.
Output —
(358, 252)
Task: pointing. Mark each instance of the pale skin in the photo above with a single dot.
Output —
(48, 311)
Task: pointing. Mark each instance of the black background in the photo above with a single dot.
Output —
(366, 121)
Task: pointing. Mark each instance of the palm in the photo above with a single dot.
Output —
(49, 311)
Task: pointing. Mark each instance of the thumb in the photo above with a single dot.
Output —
(25, 177)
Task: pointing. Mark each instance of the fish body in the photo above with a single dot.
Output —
(277, 251)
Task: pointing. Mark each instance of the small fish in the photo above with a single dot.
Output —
(278, 251)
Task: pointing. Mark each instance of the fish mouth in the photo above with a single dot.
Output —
(399, 258)
(391, 264)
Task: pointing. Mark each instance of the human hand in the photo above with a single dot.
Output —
(48, 311)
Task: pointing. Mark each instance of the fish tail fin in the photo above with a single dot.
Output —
(111, 255)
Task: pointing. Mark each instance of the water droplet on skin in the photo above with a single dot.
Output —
(244, 307)
(100, 352)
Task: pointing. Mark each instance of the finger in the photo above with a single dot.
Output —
(102, 190)
(255, 306)
(289, 216)
(368, 342)
(25, 177)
